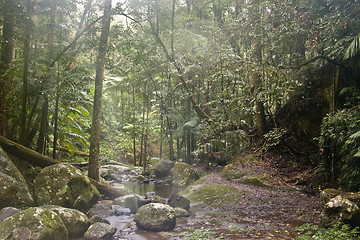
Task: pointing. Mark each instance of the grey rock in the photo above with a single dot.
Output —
(101, 209)
(100, 231)
(155, 217)
(176, 200)
(8, 212)
(162, 168)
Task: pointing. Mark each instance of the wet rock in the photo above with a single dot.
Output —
(133, 202)
(100, 231)
(155, 217)
(340, 209)
(8, 212)
(35, 224)
(175, 200)
(183, 174)
(98, 219)
(75, 221)
(102, 209)
(180, 212)
(162, 168)
(65, 185)
(14, 190)
(120, 211)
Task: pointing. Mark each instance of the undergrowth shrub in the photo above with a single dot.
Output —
(340, 144)
(339, 231)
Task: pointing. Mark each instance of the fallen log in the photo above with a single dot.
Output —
(38, 159)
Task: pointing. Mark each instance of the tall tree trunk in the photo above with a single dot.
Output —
(45, 107)
(94, 163)
(6, 58)
(27, 49)
(56, 117)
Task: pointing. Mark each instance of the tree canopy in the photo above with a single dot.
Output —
(180, 77)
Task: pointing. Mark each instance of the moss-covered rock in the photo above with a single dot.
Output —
(65, 185)
(216, 195)
(75, 221)
(328, 194)
(183, 174)
(155, 217)
(14, 190)
(35, 224)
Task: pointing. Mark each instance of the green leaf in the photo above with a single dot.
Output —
(354, 48)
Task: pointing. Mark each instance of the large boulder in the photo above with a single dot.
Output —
(14, 190)
(75, 221)
(183, 174)
(100, 231)
(66, 186)
(162, 168)
(155, 217)
(124, 190)
(176, 200)
(340, 209)
(35, 224)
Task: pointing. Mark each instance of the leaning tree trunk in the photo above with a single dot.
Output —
(96, 122)
(6, 58)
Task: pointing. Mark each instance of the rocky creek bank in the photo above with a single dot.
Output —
(246, 200)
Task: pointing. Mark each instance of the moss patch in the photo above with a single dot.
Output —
(216, 195)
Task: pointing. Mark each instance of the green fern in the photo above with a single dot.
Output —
(354, 48)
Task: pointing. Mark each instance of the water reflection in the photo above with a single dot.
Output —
(163, 190)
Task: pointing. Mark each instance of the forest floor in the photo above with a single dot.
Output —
(262, 212)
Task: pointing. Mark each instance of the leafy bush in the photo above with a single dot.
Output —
(340, 145)
(339, 231)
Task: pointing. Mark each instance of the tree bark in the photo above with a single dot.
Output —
(6, 58)
(94, 163)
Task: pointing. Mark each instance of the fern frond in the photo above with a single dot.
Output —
(354, 48)
(355, 135)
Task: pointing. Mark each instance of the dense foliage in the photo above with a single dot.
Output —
(179, 76)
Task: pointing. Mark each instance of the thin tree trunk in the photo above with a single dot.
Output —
(94, 162)
(56, 117)
(40, 145)
(6, 58)
(134, 125)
